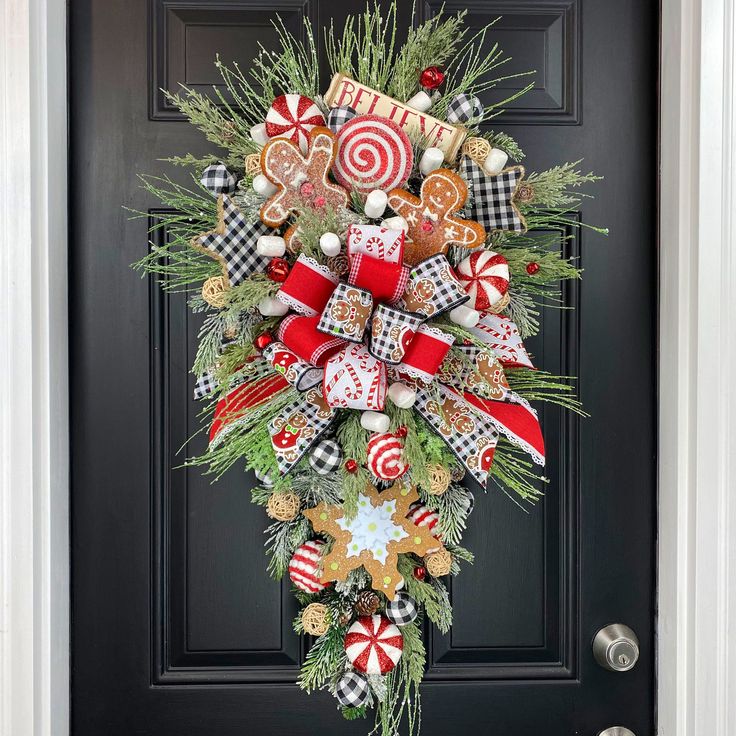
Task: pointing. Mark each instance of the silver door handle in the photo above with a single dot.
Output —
(617, 731)
(616, 648)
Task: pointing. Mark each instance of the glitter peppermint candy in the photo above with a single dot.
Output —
(485, 277)
(374, 645)
(292, 117)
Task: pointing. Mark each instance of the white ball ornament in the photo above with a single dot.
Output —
(431, 159)
(465, 316)
(329, 244)
(402, 395)
(375, 203)
(264, 186)
(273, 246)
(396, 223)
(375, 421)
(271, 307)
(421, 101)
(495, 162)
(258, 134)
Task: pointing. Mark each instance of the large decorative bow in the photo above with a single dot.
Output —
(355, 337)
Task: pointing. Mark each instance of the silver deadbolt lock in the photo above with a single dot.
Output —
(617, 731)
(616, 648)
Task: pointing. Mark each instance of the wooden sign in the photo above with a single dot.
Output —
(365, 101)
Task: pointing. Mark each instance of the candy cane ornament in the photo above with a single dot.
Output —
(372, 153)
(385, 456)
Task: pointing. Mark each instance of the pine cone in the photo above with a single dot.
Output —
(366, 603)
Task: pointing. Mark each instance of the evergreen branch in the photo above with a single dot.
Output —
(324, 661)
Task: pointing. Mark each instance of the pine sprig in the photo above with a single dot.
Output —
(324, 661)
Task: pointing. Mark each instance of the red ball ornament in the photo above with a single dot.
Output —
(432, 77)
(278, 269)
(532, 268)
(420, 573)
(402, 431)
(263, 340)
(351, 466)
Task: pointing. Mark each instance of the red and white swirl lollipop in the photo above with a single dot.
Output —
(372, 153)
(385, 454)
(292, 117)
(485, 277)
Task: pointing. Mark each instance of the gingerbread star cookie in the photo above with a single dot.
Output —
(432, 228)
(302, 180)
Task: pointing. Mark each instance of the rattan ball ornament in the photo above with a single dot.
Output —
(367, 603)
(439, 479)
(500, 306)
(315, 619)
(477, 149)
(253, 164)
(438, 563)
(283, 506)
(214, 291)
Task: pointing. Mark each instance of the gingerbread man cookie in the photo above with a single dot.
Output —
(432, 229)
(302, 180)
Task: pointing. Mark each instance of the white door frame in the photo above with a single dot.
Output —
(697, 443)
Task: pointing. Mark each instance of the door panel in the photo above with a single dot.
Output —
(177, 628)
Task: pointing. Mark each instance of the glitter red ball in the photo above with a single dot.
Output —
(420, 573)
(402, 431)
(278, 269)
(432, 77)
(532, 268)
(263, 340)
(351, 466)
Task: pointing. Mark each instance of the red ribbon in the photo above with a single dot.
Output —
(426, 352)
(308, 287)
(301, 336)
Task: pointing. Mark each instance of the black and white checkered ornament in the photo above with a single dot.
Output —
(326, 457)
(338, 116)
(205, 385)
(467, 501)
(352, 691)
(402, 610)
(216, 179)
(492, 201)
(463, 108)
(233, 243)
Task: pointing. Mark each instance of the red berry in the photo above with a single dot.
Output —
(420, 573)
(351, 466)
(263, 340)
(320, 201)
(278, 269)
(532, 268)
(402, 431)
(431, 77)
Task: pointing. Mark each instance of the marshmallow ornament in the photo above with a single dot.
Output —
(431, 159)
(495, 161)
(258, 134)
(263, 186)
(272, 246)
(375, 203)
(421, 101)
(329, 244)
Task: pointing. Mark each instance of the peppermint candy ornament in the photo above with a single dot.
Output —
(372, 153)
(485, 277)
(304, 567)
(385, 453)
(293, 116)
(374, 645)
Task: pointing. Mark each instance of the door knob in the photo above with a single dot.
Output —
(617, 731)
(616, 648)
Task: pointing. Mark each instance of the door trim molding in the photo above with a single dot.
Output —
(697, 435)
(34, 468)
(697, 583)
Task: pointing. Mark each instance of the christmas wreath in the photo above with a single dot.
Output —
(368, 264)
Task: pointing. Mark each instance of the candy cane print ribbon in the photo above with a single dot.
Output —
(354, 379)
(502, 336)
(377, 242)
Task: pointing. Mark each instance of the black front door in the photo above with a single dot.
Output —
(177, 629)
